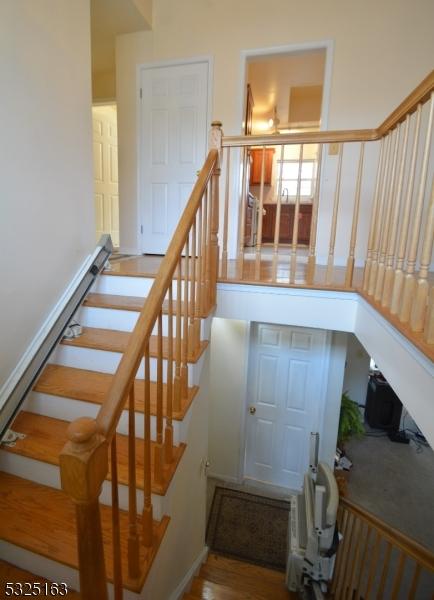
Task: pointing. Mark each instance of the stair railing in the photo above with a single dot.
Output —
(374, 560)
(185, 290)
(329, 181)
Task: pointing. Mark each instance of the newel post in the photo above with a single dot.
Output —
(83, 468)
(215, 141)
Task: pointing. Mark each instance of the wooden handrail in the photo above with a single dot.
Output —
(419, 95)
(308, 137)
(109, 414)
(409, 546)
(84, 459)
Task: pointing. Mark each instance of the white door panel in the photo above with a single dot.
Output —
(286, 371)
(105, 166)
(173, 146)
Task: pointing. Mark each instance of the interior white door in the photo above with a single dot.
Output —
(286, 379)
(105, 165)
(174, 127)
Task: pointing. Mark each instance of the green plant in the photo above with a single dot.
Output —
(350, 420)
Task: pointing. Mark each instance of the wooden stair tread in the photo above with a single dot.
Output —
(93, 386)
(116, 301)
(46, 436)
(12, 574)
(119, 302)
(42, 520)
(256, 582)
(113, 340)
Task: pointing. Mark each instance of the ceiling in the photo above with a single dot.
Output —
(271, 78)
(110, 18)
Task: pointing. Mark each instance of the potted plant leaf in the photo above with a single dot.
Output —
(350, 421)
(350, 425)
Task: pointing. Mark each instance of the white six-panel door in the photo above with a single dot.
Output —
(285, 395)
(174, 107)
(105, 166)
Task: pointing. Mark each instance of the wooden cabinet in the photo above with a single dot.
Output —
(256, 166)
(287, 223)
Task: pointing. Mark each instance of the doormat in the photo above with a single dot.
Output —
(249, 527)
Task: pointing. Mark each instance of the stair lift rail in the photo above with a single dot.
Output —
(52, 333)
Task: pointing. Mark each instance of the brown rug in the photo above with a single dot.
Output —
(249, 527)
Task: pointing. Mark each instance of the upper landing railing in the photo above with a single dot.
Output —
(310, 225)
(396, 268)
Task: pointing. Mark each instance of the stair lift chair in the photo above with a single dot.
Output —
(313, 535)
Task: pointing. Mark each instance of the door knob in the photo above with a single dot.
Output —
(252, 410)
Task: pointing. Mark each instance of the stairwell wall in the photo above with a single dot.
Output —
(381, 52)
(230, 342)
(47, 207)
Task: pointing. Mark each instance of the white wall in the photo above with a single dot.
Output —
(228, 393)
(47, 214)
(228, 385)
(356, 370)
(381, 52)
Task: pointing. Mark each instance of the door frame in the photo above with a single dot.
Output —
(99, 104)
(209, 60)
(328, 46)
(323, 398)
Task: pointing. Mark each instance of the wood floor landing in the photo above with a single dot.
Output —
(276, 272)
(222, 578)
(112, 340)
(46, 436)
(45, 524)
(267, 271)
(93, 386)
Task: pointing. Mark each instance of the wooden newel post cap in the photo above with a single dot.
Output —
(216, 124)
(82, 430)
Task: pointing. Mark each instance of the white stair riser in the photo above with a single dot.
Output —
(69, 409)
(107, 362)
(49, 475)
(128, 286)
(125, 320)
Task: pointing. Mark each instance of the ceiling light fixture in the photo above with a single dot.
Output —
(274, 122)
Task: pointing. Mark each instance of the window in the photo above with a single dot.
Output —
(289, 170)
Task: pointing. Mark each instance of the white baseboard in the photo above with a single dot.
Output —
(127, 250)
(183, 586)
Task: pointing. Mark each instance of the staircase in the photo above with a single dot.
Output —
(222, 578)
(74, 384)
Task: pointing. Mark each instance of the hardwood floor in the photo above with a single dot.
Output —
(223, 578)
(267, 271)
